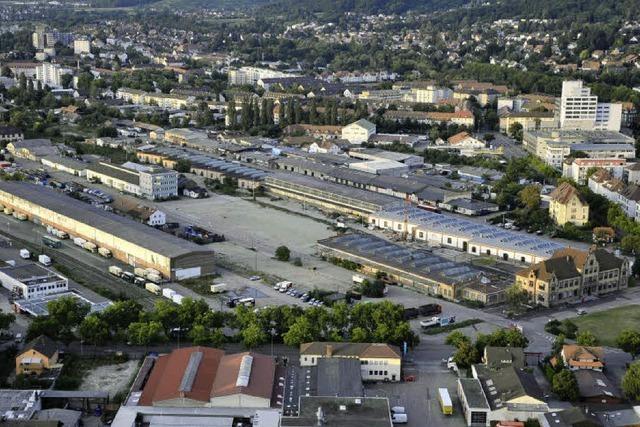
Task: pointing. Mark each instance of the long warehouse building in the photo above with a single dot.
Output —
(327, 195)
(129, 241)
(469, 236)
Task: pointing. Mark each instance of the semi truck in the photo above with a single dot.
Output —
(445, 401)
(44, 260)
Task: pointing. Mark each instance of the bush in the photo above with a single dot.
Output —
(283, 253)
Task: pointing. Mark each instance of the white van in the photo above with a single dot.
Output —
(399, 418)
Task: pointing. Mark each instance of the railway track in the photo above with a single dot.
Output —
(88, 275)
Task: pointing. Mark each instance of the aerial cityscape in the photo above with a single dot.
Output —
(362, 213)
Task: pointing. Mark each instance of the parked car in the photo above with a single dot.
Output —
(581, 311)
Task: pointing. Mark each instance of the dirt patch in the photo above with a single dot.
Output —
(110, 378)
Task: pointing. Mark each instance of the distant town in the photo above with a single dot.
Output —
(355, 214)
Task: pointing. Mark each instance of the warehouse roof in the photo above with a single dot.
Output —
(120, 227)
(473, 393)
(117, 172)
(339, 377)
(475, 232)
(345, 349)
(412, 261)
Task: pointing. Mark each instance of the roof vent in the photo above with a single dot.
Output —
(244, 372)
(190, 372)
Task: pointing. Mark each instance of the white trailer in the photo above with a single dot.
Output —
(152, 287)
(168, 293)
(115, 270)
(25, 254)
(218, 288)
(90, 247)
(79, 241)
(177, 298)
(104, 252)
(358, 279)
(140, 272)
(155, 278)
(44, 260)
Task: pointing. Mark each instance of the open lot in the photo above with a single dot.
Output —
(606, 325)
(110, 378)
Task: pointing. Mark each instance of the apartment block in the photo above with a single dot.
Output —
(567, 205)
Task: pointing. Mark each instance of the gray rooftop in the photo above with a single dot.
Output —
(339, 377)
(30, 274)
(473, 393)
(39, 306)
(343, 412)
(475, 232)
(120, 227)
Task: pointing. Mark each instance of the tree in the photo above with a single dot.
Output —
(515, 131)
(530, 196)
(300, 332)
(456, 338)
(283, 253)
(516, 296)
(564, 384)
(586, 338)
(629, 341)
(569, 328)
(631, 382)
(93, 330)
(183, 166)
(6, 319)
(253, 335)
(466, 355)
(146, 333)
(121, 314)
(199, 335)
(373, 289)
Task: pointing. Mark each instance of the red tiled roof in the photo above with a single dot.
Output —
(261, 380)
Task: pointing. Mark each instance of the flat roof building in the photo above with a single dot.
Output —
(129, 241)
(31, 281)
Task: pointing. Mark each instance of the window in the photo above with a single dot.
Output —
(449, 240)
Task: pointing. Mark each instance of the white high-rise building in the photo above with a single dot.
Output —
(579, 109)
(51, 74)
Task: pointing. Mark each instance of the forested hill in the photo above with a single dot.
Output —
(336, 7)
(580, 10)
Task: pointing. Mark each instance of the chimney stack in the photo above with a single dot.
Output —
(329, 350)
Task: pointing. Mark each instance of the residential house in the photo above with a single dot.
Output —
(616, 191)
(10, 134)
(38, 356)
(577, 357)
(578, 169)
(567, 205)
(359, 131)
